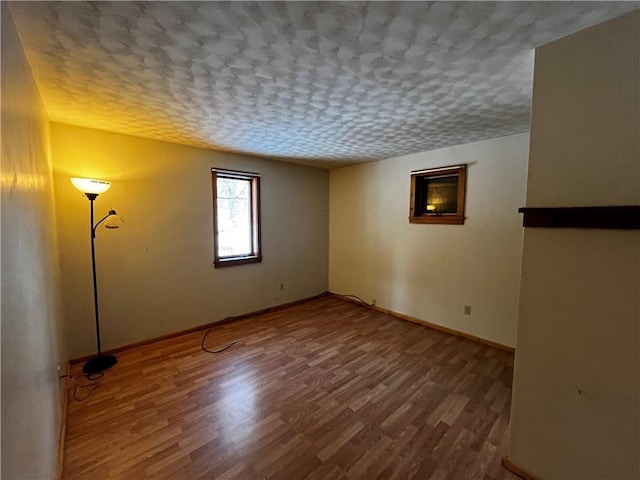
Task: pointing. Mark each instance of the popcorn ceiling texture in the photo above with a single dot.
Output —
(321, 83)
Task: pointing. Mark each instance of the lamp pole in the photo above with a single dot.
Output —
(101, 362)
(91, 189)
(92, 197)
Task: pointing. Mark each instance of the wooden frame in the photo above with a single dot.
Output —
(447, 206)
(256, 255)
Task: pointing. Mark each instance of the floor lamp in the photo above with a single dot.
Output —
(92, 188)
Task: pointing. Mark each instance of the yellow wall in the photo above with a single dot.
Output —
(156, 273)
(32, 345)
(576, 399)
(432, 271)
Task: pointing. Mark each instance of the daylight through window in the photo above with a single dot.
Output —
(236, 214)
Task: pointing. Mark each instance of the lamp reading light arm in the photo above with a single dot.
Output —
(93, 230)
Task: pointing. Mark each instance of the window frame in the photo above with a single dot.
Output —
(256, 255)
(457, 218)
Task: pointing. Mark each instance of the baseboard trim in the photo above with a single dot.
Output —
(63, 426)
(424, 323)
(275, 308)
(517, 470)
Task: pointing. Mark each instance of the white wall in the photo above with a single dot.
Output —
(432, 271)
(32, 345)
(156, 274)
(576, 401)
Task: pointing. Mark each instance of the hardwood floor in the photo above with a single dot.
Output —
(323, 390)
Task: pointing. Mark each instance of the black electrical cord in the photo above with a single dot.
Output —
(356, 297)
(93, 384)
(224, 320)
(220, 350)
(228, 319)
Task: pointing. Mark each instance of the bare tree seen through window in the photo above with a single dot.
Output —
(234, 217)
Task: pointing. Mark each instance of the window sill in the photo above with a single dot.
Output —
(232, 261)
(444, 219)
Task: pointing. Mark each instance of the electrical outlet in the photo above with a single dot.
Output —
(467, 309)
(374, 302)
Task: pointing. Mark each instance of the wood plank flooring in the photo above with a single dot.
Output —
(323, 390)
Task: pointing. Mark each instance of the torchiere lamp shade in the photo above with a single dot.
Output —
(91, 185)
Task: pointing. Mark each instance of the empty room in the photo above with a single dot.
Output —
(320, 240)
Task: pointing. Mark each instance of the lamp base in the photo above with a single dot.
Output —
(100, 364)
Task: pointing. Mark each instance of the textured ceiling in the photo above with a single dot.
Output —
(322, 83)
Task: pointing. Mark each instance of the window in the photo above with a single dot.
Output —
(236, 217)
(437, 195)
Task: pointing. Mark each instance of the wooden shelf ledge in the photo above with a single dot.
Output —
(618, 218)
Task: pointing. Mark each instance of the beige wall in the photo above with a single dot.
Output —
(432, 271)
(156, 274)
(32, 344)
(576, 401)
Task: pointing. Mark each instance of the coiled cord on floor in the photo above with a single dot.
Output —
(94, 383)
(224, 320)
(220, 350)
